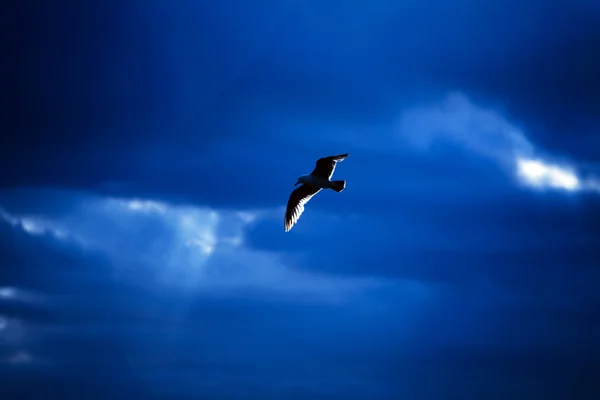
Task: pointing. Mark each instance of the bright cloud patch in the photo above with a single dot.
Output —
(177, 247)
(539, 174)
(487, 133)
(146, 206)
(32, 225)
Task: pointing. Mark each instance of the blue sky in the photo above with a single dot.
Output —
(149, 150)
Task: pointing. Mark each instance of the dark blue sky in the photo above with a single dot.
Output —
(149, 148)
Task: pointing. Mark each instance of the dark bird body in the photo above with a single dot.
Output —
(313, 183)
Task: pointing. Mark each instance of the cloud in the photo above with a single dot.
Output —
(269, 95)
(538, 174)
(261, 318)
(140, 317)
(151, 331)
(487, 133)
(182, 247)
(457, 120)
(507, 242)
(161, 260)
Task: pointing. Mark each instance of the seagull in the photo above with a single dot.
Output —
(312, 184)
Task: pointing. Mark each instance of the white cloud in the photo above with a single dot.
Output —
(32, 225)
(146, 206)
(248, 217)
(183, 247)
(488, 133)
(539, 174)
(456, 119)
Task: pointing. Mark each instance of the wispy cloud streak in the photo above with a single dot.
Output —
(486, 132)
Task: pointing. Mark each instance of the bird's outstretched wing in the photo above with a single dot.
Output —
(295, 205)
(326, 165)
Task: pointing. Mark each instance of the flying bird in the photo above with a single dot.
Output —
(319, 178)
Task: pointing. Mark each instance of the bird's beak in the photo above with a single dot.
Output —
(297, 183)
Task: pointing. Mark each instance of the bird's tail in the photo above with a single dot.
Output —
(338, 186)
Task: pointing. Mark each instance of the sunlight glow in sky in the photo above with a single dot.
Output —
(539, 174)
